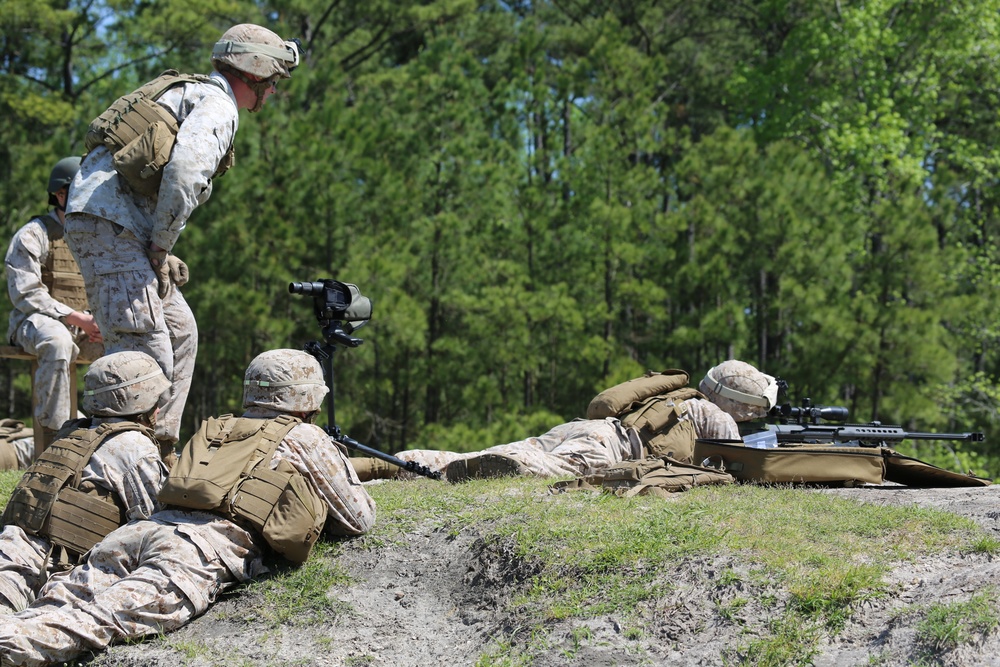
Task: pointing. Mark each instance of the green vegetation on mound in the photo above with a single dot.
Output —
(804, 560)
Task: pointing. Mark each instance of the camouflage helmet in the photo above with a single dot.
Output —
(285, 380)
(123, 384)
(255, 50)
(740, 390)
(63, 173)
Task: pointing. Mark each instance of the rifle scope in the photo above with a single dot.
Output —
(811, 413)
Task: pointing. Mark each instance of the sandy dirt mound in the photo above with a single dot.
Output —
(436, 598)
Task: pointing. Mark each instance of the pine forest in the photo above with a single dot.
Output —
(543, 198)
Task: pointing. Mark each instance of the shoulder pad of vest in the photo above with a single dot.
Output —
(125, 425)
(52, 226)
(169, 79)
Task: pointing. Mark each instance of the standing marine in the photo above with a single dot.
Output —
(153, 155)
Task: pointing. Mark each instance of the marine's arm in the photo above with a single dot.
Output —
(23, 262)
(129, 465)
(310, 451)
(205, 135)
(710, 421)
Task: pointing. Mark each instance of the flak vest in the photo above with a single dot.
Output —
(60, 273)
(140, 134)
(52, 501)
(652, 405)
(225, 469)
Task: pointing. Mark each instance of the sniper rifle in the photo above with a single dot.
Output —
(802, 424)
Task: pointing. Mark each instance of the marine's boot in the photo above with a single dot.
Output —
(369, 468)
(484, 466)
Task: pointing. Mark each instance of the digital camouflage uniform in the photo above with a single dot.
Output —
(109, 228)
(581, 446)
(153, 576)
(35, 322)
(127, 464)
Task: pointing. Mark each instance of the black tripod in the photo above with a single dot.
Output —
(333, 335)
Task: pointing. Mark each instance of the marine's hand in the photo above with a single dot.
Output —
(85, 322)
(158, 260)
(178, 270)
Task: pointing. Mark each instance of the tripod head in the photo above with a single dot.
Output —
(341, 310)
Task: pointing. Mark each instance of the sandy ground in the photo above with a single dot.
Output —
(439, 599)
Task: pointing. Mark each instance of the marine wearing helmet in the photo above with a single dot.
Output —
(740, 389)
(123, 384)
(61, 176)
(256, 56)
(285, 380)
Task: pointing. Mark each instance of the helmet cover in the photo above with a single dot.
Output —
(123, 384)
(255, 50)
(284, 380)
(740, 390)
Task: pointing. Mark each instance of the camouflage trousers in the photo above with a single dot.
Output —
(122, 291)
(52, 343)
(573, 448)
(22, 568)
(143, 579)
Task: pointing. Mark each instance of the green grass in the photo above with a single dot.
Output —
(808, 559)
(944, 627)
(812, 556)
(8, 480)
(300, 595)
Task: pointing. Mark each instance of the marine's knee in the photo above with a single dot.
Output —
(57, 348)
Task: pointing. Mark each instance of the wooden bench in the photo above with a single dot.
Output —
(12, 352)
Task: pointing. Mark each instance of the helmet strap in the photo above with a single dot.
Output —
(259, 87)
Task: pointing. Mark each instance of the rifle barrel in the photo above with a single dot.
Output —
(971, 437)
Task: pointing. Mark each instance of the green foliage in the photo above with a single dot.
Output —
(544, 200)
